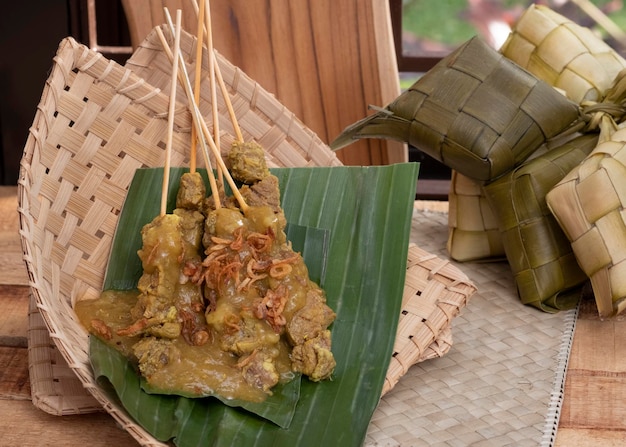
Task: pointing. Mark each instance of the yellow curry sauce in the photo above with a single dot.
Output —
(251, 295)
(201, 370)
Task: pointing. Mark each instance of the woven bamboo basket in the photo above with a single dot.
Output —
(55, 388)
(472, 226)
(564, 54)
(589, 205)
(97, 122)
(540, 256)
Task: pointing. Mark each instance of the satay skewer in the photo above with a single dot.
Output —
(170, 117)
(220, 79)
(221, 165)
(184, 80)
(199, 121)
(194, 130)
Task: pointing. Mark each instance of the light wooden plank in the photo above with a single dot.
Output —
(8, 205)
(599, 346)
(14, 383)
(595, 387)
(24, 425)
(14, 321)
(594, 400)
(13, 268)
(567, 437)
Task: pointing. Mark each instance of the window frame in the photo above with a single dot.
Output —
(410, 64)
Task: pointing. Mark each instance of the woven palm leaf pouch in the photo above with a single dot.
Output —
(539, 253)
(476, 112)
(473, 233)
(472, 226)
(562, 53)
(589, 204)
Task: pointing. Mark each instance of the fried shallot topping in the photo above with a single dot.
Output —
(242, 261)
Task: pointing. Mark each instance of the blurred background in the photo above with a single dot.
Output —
(424, 31)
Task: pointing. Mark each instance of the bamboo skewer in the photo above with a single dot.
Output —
(205, 4)
(220, 80)
(209, 40)
(170, 117)
(194, 129)
(216, 152)
(183, 78)
(199, 121)
(229, 104)
(196, 116)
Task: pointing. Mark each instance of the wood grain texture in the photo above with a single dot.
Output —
(326, 61)
(595, 389)
(23, 425)
(13, 270)
(14, 382)
(577, 437)
(14, 321)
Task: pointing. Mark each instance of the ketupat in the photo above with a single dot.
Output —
(564, 54)
(541, 259)
(476, 112)
(588, 203)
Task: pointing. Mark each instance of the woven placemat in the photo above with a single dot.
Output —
(500, 384)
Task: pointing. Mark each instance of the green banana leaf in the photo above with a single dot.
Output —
(365, 214)
(125, 268)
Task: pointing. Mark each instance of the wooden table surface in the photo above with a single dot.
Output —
(593, 413)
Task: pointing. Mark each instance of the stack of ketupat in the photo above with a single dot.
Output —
(521, 128)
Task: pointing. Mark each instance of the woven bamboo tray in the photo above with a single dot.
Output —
(435, 291)
(98, 122)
